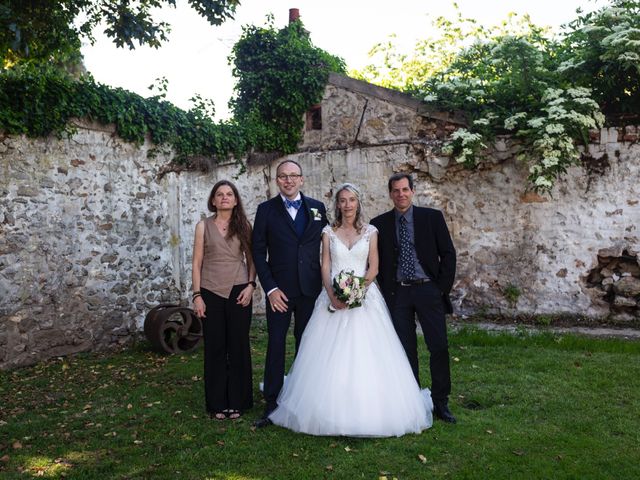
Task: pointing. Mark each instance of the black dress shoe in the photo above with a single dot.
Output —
(262, 422)
(441, 411)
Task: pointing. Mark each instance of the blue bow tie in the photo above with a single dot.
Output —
(293, 203)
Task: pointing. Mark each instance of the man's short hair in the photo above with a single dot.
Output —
(289, 161)
(399, 176)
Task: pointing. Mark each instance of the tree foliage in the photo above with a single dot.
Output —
(517, 78)
(393, 68)
(51, 30)
(601, 50)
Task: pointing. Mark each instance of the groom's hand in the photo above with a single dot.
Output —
(278, 301)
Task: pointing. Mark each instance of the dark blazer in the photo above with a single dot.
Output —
(282, 259)
(434, 248)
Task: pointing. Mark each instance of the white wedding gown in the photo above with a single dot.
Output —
(351, 376)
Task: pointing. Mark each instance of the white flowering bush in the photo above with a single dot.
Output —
(513, 84)
(601, 50)
(549, 126)
(516, 78)
(550, 145)
(504, 87)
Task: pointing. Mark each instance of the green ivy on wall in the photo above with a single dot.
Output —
(280, 74)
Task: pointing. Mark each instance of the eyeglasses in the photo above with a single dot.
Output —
(293, 176)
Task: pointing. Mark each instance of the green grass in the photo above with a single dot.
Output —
(528, 406)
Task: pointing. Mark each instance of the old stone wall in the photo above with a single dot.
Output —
(92, 235)
(573, 252)
(518, 252)
(86, 243)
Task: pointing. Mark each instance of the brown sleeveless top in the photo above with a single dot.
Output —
(223, 264)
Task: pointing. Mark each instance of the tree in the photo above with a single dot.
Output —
(602, 51)
(51, 30)
(393, 68)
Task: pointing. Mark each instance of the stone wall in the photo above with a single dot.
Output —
(518, 252)
(543, 249)
(92, 235)
(87, 240)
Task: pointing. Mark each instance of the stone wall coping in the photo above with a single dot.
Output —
(396, 97)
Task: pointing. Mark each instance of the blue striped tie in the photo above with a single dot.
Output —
(407, 266)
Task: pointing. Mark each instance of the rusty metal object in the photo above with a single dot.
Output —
(173, 329)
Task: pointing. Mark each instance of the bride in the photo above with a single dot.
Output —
(351, 375)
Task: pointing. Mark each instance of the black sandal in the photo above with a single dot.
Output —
(233, 414)
(218, 415)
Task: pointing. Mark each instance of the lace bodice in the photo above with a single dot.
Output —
(354, 258)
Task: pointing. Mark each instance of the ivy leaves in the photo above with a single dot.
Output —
(280, 75)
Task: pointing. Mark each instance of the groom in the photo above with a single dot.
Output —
(416, 271)
(286, 253)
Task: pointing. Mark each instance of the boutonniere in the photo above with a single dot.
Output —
(316, 214)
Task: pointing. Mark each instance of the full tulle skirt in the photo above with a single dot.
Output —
(351, 377)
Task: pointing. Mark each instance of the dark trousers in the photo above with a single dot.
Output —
(425, 300)
(277, 327)
(227, 353)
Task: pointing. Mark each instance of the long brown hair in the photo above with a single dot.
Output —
(239, 224)
(358, 222)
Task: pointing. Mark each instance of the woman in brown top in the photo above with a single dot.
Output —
(223, 284)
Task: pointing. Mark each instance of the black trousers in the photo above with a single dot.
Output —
(227, 353)
(425, 301)
(277, 327)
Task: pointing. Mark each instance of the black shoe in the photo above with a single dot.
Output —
(441, 411)
(262, 422)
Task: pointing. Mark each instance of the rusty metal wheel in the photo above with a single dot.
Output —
(173, 329)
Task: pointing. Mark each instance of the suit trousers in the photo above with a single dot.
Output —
(425, 301)
(278, 323)
(228, 382)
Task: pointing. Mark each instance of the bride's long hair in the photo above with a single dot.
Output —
(337, 214)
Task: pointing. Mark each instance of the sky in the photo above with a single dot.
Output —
(194, 59)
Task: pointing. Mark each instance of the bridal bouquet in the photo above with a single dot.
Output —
(349, 288)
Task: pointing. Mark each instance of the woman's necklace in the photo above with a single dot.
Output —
(223, 225)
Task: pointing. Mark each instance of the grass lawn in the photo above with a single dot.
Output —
(528, 406)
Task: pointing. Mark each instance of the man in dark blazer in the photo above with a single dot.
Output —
(416, 272)
(286, 254)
